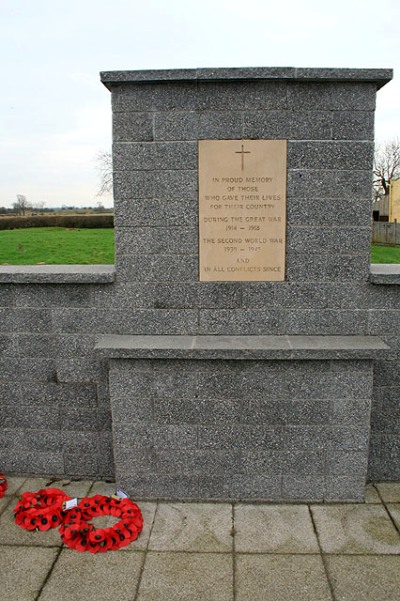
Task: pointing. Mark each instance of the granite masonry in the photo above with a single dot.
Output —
(189, 389)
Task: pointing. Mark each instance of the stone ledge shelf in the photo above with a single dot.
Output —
(388, 274)
(242, 347)
(57, 274)
(378, 76)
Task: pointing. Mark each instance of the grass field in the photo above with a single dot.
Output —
(385, 254)
(56, 246)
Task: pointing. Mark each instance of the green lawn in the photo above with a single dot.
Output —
(56, 246)
(385, 254)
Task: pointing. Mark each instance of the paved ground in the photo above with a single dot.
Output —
(211, 552)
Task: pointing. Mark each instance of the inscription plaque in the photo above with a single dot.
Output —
(242, 210)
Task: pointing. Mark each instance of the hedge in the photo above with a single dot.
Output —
(68, 221)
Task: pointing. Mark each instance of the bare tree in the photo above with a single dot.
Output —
(104, 165)
(386, 166)
(21, 205)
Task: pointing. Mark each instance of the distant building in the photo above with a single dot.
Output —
(387, 208)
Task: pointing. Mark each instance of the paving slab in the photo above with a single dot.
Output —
(371, 494)
(23, 571)
(203, 527)
(103, 488)
(74, 488)
(389, 491)
(281, 578)
(274, 529)
(90, 577)
(33, 484)
(364, 529)
(187, 577)
(13, 484)
(11, 534)
(394, 510)
(4, 503)
(364, 578)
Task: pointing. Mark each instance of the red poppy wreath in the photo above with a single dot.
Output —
(40, 510)
(3, 485)
(78, 533)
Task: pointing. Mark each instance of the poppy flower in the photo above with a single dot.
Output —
(78, 533)
(41, 510)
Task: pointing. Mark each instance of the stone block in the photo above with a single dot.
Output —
(327, 322)
(176, 185)
(6, 295)
(353, 412)
(82, 464)
(50, 345)
(84, 420)
(202, 410)
(132, 408)
(133, 127)
(242, 322)
(158, 240)
(101, 321)
(176, 125)
(308, 125)
(348, 268)
(37, 393)
(176, 96)
(327, 154)
(319, 437)
(157, 268)
(201, 462)
(328, 212)
(331, 96)
(52, 295)
(27, 369)
(303, 267)
(346, 463)
(25, 320)
(280, 412)
(131, 436)
(220, 295)
(227, 125)
(352, 125)
(134, 184)
(226, 96)
(42, 440)
(32, 462)
(27, 417)
(133, 156)
(240, 487)
(347, 295)
(8, 345)
(282, 461)
(321, 183)
(175, 155)
(78, 369)
(155, 213)
(303, 488)
(156, 486)
(239, 437)
(132, 99)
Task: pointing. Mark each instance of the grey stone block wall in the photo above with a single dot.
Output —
(241, 429)
(55, 411)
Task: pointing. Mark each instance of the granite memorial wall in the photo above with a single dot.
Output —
(242, 347)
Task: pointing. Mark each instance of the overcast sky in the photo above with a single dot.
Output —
(55, 115)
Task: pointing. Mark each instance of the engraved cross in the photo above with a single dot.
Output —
(242, 152)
